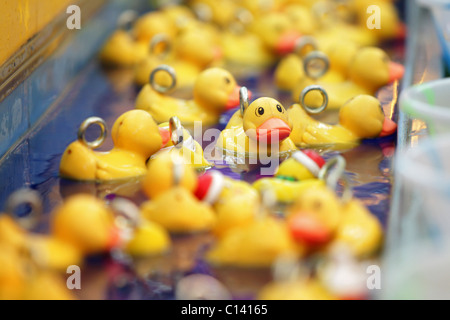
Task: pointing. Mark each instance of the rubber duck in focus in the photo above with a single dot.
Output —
(136, 137)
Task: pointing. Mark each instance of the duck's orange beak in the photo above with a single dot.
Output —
(307, 229)
(165, 135)
(396, 71)
(287, 43)
(275, 129)
(233, 98)
(389, 127)
(114, 238)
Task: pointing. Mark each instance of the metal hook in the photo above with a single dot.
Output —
(243, 99)
(305, 41)
(28, 197)
(85, 125)
(332, 177)
(158, 39)
(312, 57)
(127, 213)
(177, 131)
(172, 74)
(324, 97)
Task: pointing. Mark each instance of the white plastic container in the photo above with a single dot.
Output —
(440, 10)
(418, 266)
(429, 102)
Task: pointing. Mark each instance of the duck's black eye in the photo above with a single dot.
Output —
(280, 108)
(259, 112)
(227, 81)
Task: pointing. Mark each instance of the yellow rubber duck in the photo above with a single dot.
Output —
(243, 48)
(162, 175)
(151, 24)
(177, 209)
(319, 219)
(294, 176)
(47, 252)
(254, 245)
(302, 18)
(122, 50)
(235, 202)
(189, 53)
(136, 137)
(21, 279)
(183, 145)
(261, 128)
(369, 70)
(334, 57)
(277, 32)
(86, 223)
(139, 237)
(221, 13)
(215, 90)
(360, 118)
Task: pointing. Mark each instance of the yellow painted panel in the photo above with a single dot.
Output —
(21, 19)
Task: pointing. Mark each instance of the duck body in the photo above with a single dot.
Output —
(179, 212)
(369, 69)
(360, 118)
(136, 137)
(245, 247)
(193, 50)
(235, 203)
(121, 50)
(246, 49)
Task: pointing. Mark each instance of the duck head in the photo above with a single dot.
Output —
(151, 24)
(265, 120)
(364, 116)
(216, 90)
(197, 46)
(136, 131)
(277, 33)
(371, 68)
(86, 223)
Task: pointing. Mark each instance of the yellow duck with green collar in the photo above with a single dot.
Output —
(294, 176)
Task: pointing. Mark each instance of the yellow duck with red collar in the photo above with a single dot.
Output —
(263, 127)
(235, 203)
(215, 90)
(319, 219)
(136, 138)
